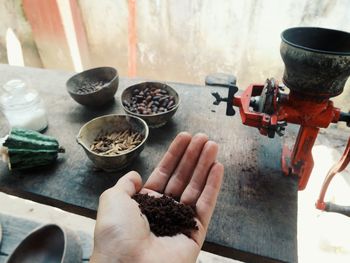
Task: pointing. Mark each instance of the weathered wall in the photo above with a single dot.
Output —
(107, 32)
(12, 16)
(185, 40)
(181, 40)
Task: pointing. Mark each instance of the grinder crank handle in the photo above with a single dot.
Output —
(337, 168)
(345, 116)
(341, 209)
(223, 80)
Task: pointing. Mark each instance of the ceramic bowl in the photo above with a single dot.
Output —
(48, 243)
(105, 79)
(108, 124)
(154, 120)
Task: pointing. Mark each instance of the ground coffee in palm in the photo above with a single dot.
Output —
(166, 216)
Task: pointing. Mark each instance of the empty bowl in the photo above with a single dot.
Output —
(154, 102)
(48, 243)
(108, 150)
(94, 87)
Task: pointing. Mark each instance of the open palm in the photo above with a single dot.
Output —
(188, 172)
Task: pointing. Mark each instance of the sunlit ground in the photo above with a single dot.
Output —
(323, 236)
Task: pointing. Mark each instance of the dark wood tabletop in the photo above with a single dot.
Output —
(255, 219)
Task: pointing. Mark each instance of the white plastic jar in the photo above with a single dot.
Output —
(22, 106)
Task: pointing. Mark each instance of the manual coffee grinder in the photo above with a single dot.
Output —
(317, 65)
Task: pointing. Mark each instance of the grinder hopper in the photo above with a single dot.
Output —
(317, 61)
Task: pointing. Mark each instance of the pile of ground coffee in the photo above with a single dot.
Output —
(166, 216)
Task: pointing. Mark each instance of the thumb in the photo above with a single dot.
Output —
(131, 183)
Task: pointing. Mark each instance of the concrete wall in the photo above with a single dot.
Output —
(181, 40)
(106, 28)
(12, 16)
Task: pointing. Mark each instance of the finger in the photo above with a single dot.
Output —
(207, 200)
(118, 214)
(160, 176)
(150, 192)
(121, 193)
(185, 168)
(200, 174)
(130, 184)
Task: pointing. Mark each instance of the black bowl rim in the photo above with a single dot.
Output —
(312, 49)
(151, 115)
(85, 71)
(110, 115)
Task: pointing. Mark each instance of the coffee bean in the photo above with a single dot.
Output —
(171, 103)
(165, 102)
(135, 92)
(139, 98)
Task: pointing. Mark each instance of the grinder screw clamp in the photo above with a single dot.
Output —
(223, 80)
(345, 117)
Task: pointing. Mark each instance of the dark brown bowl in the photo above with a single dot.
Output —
(154, 120)
(100, 97)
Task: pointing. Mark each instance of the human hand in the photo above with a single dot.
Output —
(188, 172)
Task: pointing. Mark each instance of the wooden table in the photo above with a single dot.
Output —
(256, 214)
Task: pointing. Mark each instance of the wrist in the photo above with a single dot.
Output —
(101, 258)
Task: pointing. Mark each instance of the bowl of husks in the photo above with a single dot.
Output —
(112, 142)
(154, 102)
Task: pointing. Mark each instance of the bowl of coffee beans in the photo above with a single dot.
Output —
(94, 87)
(112, 142)
(154, 102)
